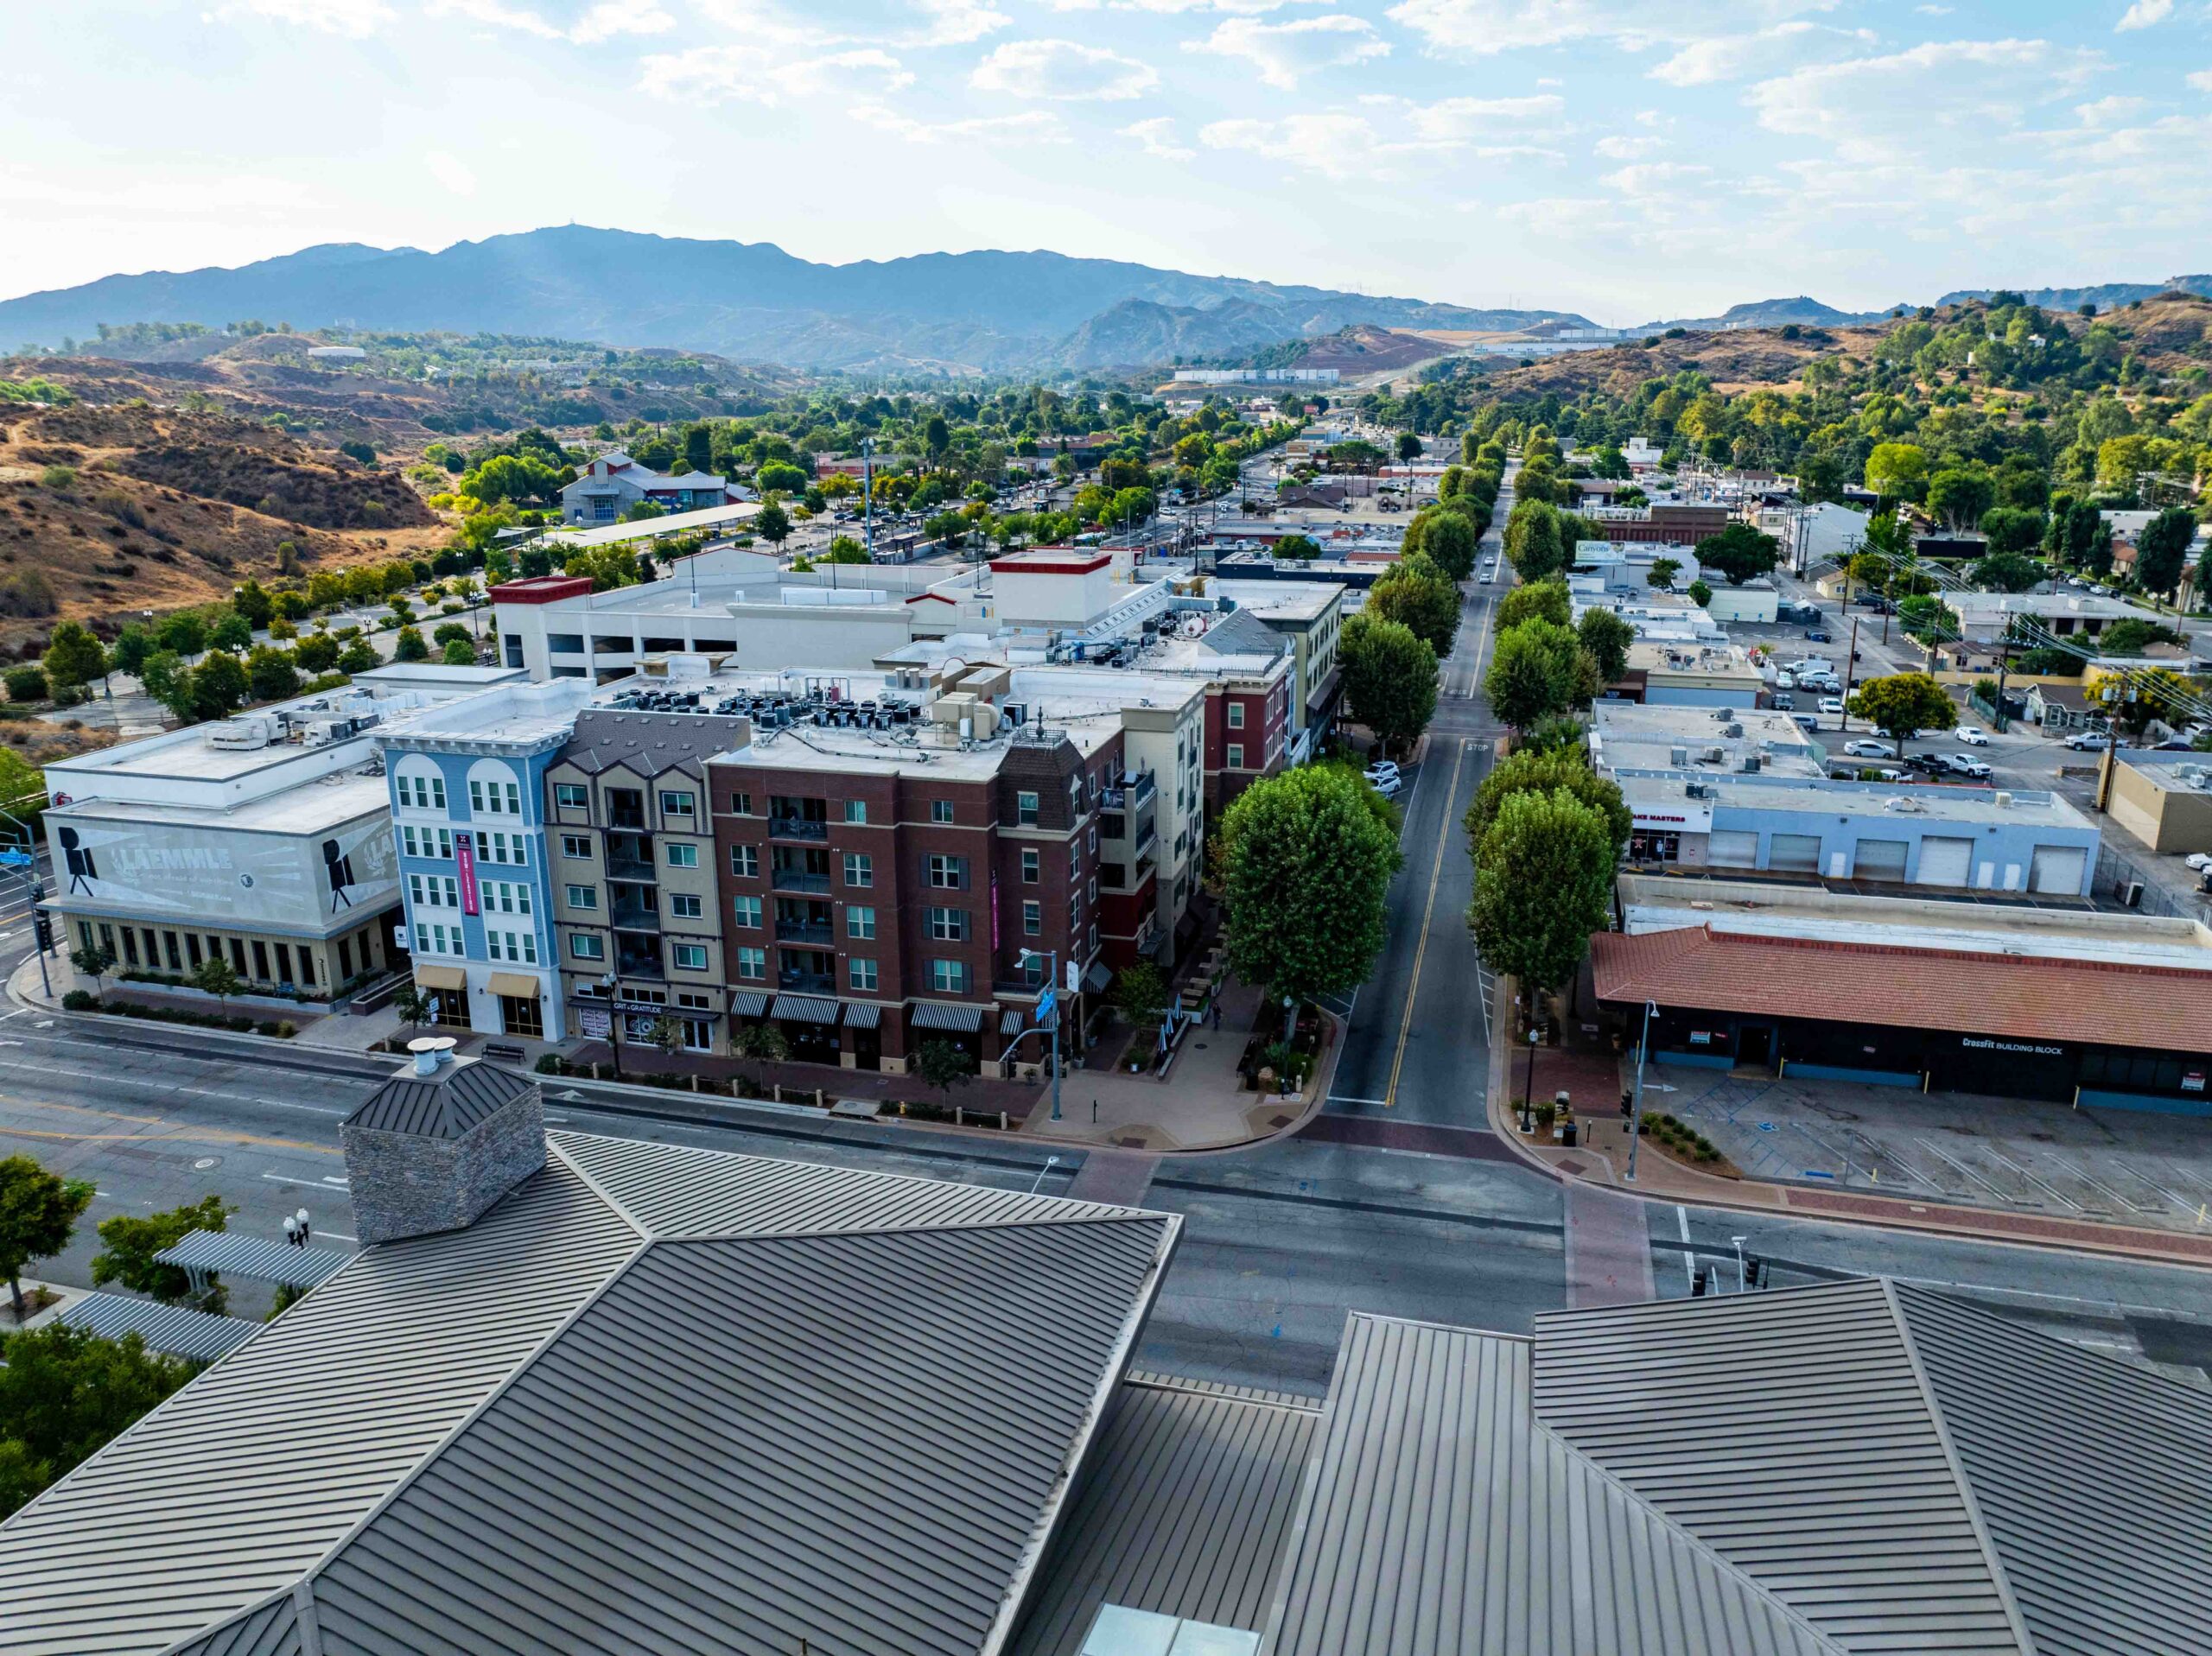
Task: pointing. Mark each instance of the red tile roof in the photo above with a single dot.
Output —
(2028, 999)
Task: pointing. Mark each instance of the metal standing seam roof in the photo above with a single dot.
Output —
(1183, 1512)
(444, 1106)
(1441, 1518)
(1790, 1430)
(254, 1258)
(174, 1330)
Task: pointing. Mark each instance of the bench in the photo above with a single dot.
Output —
(506, 1052)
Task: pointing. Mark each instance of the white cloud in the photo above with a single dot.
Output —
(2108, 111)
(615, 18)
(1653, 177)
(1335, 145)
(1062, 70)
(2201, 80)
(602, 22)
(355, 19)
(717, 73)
(1731, 57)
(451, 171)
(1033, 126)
(1283, 53)
(1454, 118)
(1180, 7)
(1484, 28)
(1159, 138)
(1620, 147)
(952, 22)
(945, 22)
(2143, 13)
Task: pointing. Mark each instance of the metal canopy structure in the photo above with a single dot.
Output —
(172, 1329)
(654, 528)
(204, 1251)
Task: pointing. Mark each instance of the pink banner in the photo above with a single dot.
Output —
(464, 857)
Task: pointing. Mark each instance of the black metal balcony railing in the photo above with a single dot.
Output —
(793, 880)
(630, 868)
(1133, 795)
(640, 966)
(798, 828)
(807, 983)
(630, 819)
(803, 931)
(630, 917)
(1146, 839)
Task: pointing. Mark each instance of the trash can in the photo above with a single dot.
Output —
(1567, 1132)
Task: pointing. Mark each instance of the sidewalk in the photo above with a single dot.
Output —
(1600, 1161)
(1200, 1104)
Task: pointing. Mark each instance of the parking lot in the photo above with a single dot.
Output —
(2119, 1166)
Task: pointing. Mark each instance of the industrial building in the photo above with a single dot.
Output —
(2164, 799)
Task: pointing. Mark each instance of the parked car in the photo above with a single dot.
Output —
(1387, 785)
(1785, 680)
(1783, 703)
(1819, 635)
(1380, 768)
(2199, 860)
(1807, 721)
(1966, 765)
(1971, 735)
(2089, 741)
(1928, 764)
(1867, 750)
(1831, 704)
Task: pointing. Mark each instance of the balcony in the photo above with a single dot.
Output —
(630, 856)
(639, 962)
(626, 809)
(634, 917)
(807, 983)
(797, 879)
(798, 828)
(803, 931)
(1133, 794)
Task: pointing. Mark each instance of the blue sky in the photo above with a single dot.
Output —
(1627, 158)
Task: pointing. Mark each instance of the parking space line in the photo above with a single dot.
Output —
(2029, 1176)
(1965, 1172)
(2095, 1183)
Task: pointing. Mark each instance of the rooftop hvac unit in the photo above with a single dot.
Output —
(1751, 764)
(2131, 894)
(2003, 800)
(1731, 730)
(1678, 756)
(1716, 755)
(255, 730)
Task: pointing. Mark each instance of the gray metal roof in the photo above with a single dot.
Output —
(1440, 1518)
(443, 1106)
(2094, 1479)
(175, 1329)
(254, 1258)
(269, 1629)
(1183, 1510)
(649, 744)
(1789, 1431)
(854, 1441)
(753, 1196)
(240, 1482)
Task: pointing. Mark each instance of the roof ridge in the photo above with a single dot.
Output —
(922, 1228)
(552, 1148)
(1253, 1397)
(243, 1614)
(1991, 1556)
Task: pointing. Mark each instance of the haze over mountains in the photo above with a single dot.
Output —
(976, 312)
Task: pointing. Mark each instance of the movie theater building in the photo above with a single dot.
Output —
(2110, 1011)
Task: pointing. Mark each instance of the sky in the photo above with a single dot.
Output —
(1629, 159)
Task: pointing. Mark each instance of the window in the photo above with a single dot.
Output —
(572, 796)
(744, 861)
(949, 925)
(511, 849)
(860, 973)
(424, 793)
(1237, 715)
(1033, 867)
(577, 845)
(860, 868)
(691, 1001)
(857, 810)
(1235, 757)
(949, 977)
(503, 896)
(583, 896)
(496, 798)
(940, 811)
(1093, 839)
(1093, 888)
(745, 911)
(753, 964)
(1024, 809)
(681, 907)
(860, 921)
(741, 805)
(690, 957)
(426, 842)
(947, 874)
(683, 856)
(1032, 918)
(678, 802)
(585, 947)
(521, 946)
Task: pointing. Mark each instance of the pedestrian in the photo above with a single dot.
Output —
(291, 1231)
(1216, 1013)
(305, 1231)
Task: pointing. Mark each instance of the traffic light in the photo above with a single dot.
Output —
(45, 933)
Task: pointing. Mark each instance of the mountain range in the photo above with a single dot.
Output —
(986, 311)
(2104, 296)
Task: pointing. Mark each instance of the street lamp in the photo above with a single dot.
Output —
(1635, 1107)
(1052, 987)
(614, 1021)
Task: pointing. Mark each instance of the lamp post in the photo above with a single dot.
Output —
(40, 924)
(1636, 1109)
(614, 1021)
(1053, 985)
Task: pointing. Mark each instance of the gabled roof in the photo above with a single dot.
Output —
(442, 1105)
(706, 1423)
(606, 739)
(1244, 634)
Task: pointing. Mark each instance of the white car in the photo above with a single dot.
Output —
(1785, 680)
(2089, 741)
(1831, 704)
(1386, 783)
(1864, 750)
(1971, 735)
(1967, 766)
(2199, 860)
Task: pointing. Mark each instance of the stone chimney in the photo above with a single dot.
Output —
(433, 1148)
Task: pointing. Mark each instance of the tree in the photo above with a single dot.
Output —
(781, 476)
(1898, 471)
(1532, 540)
(184, 632)
(415, 1008)
(271, 674)
(1529, 769)
(93, 961)
(1739, 552)
(169, 681)
(1700, 594)
(2162, 549)
(1408, 446)
(943, 1065)
(1449, 538)
(2005, 572)
(358, 657)
(844, 549)
(219, 685)
(131, 648)
(1297, 548)
(1306, 864)
(217, 977)
(1536, 670)
(760, 1043)
(28, 683)
(1901, 704)
(2013, 529)
(1390, 678)
(66, 1393)
(252, 601)
(1548, 599)
(73, 657)
(130, 1244)
(664, 1035)
(2133, 699)
(409, 645)
(1543, 883)
(1417, 594)
(2132, 637)
(773, 524)
(1661, 576)
(39, 1212)
(1606, 636)
(231, 632)
(1140, 993)
(1959, 495)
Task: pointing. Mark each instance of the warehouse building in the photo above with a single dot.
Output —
(2163, 799)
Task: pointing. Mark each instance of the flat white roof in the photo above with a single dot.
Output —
(312, 807)
(1924, 802)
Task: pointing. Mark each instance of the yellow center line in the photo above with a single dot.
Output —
(1428, 911)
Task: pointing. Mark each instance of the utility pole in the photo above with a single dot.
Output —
(867, 493)
(1850, 677)
(1636, 1109)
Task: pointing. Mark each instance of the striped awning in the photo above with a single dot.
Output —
(748, 1003)
(173, 1329)
(1010, 1020)
(805, 1009)
(253, 1257)
(966, 1020)
(862, 1014)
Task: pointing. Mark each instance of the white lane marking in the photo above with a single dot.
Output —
(1689, 1259)
(1339, 1098)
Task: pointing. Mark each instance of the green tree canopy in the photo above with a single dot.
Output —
(411, 645)
(1389, 677)
(2131, 636)
(2005, 572)
(1538, 669)
(129, 1242)
(73, 657)
(1738, 553)
(1902, 703)
(1532, 540)
(1547, 598)
(1305, 866)
(2013, 529)
(39, 1211)
(1544, 771)
(1606, 636)
(271, 674)
(64, 1394)
(1959, 495)
(1543, 883)
(1418, 595)
(1661, 576)
(1898, 471)
(252, 601)
(2162, 549)
(773, 524)
(1449, 538)
(219, 685)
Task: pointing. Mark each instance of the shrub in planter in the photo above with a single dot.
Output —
(80, 1001)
